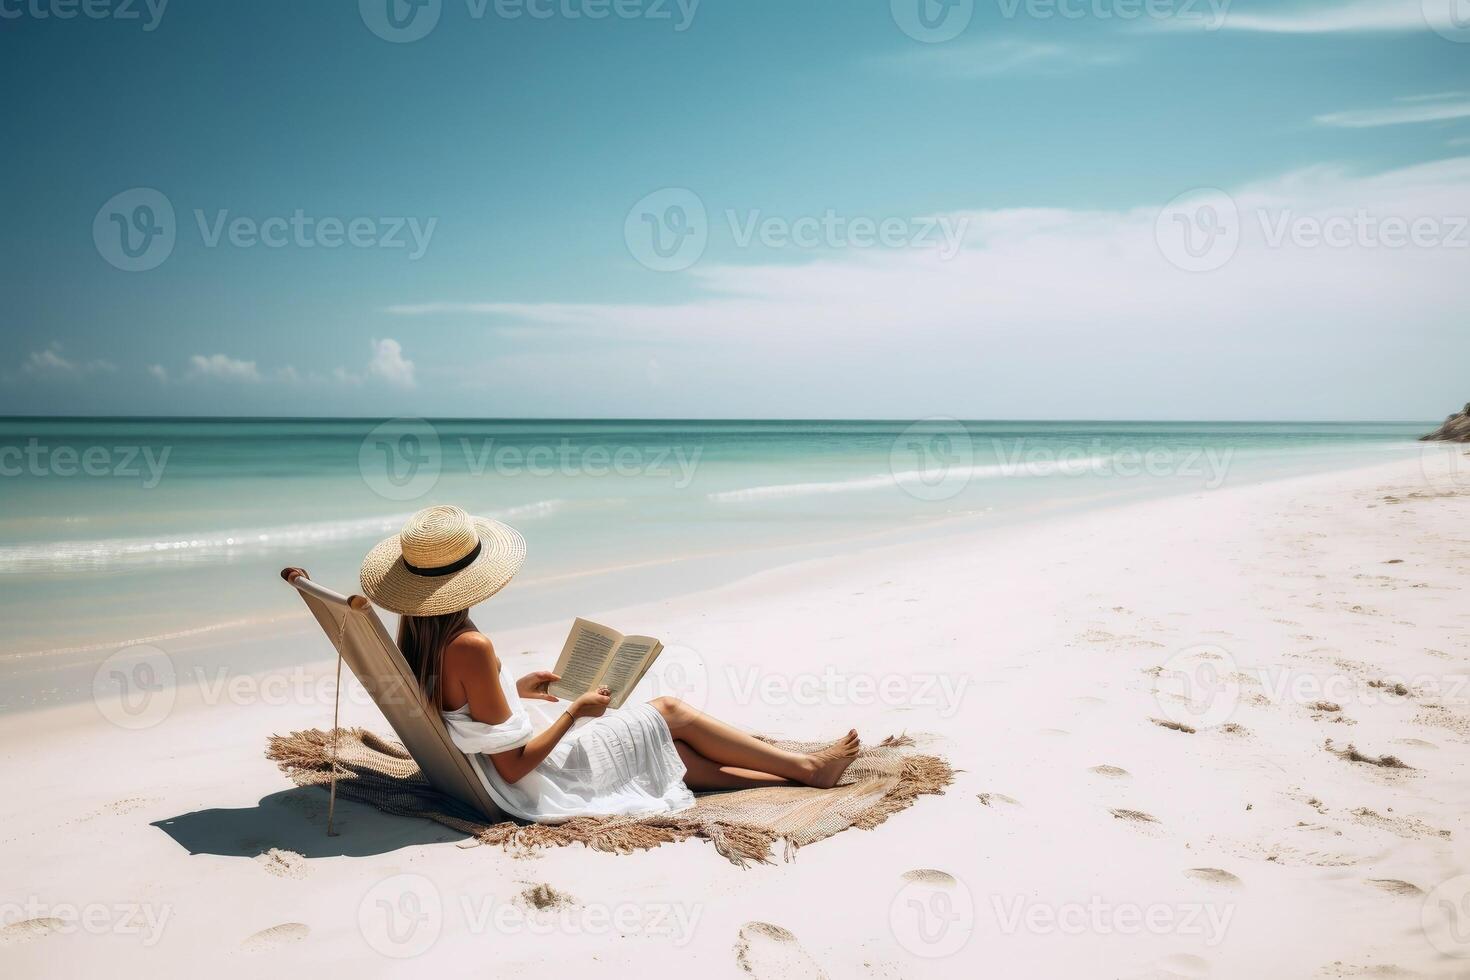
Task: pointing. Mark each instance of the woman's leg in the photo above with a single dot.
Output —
(726, 746)
(703, 774)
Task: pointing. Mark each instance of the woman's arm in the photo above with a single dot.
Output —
(478, 671)
(514, 764)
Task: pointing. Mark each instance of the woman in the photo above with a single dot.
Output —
(550, 764)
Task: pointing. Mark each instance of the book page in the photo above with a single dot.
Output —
(583, 658)
(627, 665)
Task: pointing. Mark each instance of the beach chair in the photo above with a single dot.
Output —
(354, 628)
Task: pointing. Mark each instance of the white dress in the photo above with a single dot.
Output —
(623, 763)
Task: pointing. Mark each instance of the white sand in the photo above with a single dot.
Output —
(1022, 655)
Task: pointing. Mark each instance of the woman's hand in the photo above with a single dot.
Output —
(591, 705)
(534, 685)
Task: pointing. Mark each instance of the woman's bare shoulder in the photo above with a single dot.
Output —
(472, 651)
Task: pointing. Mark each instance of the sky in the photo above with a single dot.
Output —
(1141, 209)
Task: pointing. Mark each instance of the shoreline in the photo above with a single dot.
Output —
(726, 566)
(807, 559)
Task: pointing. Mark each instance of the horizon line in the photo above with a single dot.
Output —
(813, 420)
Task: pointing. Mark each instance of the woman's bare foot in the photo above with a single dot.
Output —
(830, 763)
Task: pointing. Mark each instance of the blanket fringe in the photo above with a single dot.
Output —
(379, 772)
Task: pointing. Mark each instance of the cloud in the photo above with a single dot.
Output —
(389, 364)
(1005, 56)
(1410, 109)
(1360, 17)
(1044, 293)
(221, 367)
(49, 363)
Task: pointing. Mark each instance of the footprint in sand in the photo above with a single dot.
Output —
(1184, 965)
(766, 950)
(282, 864)
(1417, 743)
(1111, 772)
(28, 929)
(1396, 887)
(545, 897)
(929, 876)
(1213, 876)
(997, 799)
(276, 936)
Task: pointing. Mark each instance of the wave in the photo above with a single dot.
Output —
(211, 545)
(918, 480)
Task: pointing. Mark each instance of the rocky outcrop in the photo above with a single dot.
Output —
(1456, 428)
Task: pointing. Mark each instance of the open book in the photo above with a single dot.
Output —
(596, 656)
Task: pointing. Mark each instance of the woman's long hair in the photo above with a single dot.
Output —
(422, 640)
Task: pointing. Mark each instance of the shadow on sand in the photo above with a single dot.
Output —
(296, 820)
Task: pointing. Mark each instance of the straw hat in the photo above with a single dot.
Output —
(442, 561)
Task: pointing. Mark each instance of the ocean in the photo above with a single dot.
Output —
(116, 530)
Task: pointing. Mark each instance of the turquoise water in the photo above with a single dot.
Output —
(115, 530)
